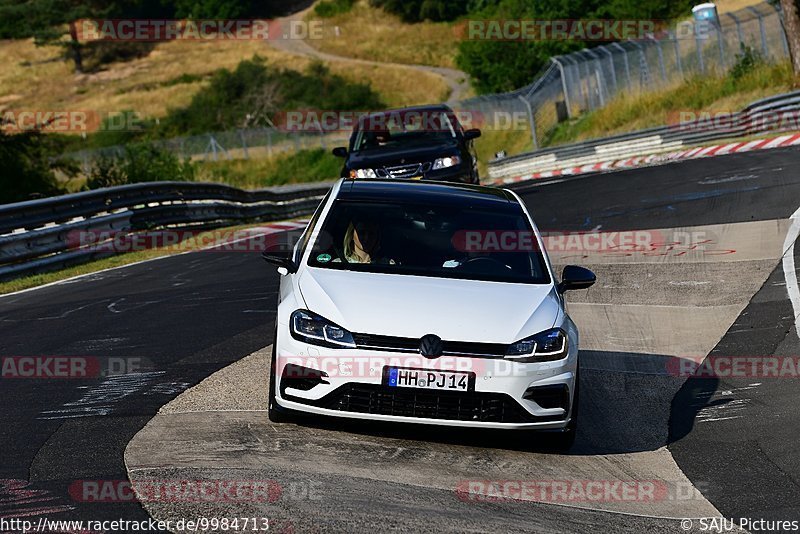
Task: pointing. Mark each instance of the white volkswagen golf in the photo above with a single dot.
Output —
(428, 303)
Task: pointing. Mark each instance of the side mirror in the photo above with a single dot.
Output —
(340, 152)
(575, 277)
(474, 133)
(282, 259)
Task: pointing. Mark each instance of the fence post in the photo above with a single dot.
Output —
(611, 64)
(598, 75)
(678, 60)
(561, 71)
(721, 44)
(739, 33)
(244, 144)
(532, 121)
(625, 60)
(762, 31)
(660, 58)
(783, 31)
(644, 67)
(699, 47)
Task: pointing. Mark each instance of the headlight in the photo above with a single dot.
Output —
(546, 346)
(316, 330)
(363, 173)
(443, 163)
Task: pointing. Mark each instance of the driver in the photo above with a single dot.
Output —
(362, 244)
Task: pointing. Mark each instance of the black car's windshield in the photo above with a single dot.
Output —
(493, 243)
(395, 129)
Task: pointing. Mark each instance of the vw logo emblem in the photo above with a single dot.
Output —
(431, 346)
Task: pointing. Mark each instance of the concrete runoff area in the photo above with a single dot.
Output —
(644, 312)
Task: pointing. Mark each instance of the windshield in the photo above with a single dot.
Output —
(483, 243)
(388, 130)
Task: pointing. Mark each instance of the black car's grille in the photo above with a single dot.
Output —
(450, 405)
(410, 344)
(404, 171)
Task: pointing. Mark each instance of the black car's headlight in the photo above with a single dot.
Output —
(316, 330)
(546, 346)
(363, 173)
(444, 163)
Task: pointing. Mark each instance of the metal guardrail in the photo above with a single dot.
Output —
(767, 114)
(38, 235)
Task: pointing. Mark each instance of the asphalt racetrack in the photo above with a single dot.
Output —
(189, 338)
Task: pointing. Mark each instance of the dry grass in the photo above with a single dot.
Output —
(36, 78)
(726, 6)
(370, 33)
(630, 113)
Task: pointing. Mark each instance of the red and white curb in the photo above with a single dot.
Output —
(653, 159)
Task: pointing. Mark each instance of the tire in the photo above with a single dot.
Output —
(275, 413)
(564, 440)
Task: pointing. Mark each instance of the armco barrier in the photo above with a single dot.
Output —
(763, 115)
(34, 235)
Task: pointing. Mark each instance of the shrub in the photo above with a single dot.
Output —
(253, 92)
(747, 60)
(330, 8)
(139, 163)
(25, 170)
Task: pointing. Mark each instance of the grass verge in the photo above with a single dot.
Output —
(317, 165)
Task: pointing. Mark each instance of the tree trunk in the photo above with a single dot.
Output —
(75, 47)
(791, 25)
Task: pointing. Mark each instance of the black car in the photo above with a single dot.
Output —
(417, 143)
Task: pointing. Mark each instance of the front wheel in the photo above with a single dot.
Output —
(275, 413)
(564, 440)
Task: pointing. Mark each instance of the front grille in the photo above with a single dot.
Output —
(410, 344)
(403, 171)
(449, 405)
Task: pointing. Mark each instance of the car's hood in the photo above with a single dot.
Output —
(413, 306)
(385, 157)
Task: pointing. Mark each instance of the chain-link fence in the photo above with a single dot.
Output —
(588, 79)
(233, 144)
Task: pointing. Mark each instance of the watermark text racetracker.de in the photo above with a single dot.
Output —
(159, 30)
(194, 491)
(70, 367)
(576, 491)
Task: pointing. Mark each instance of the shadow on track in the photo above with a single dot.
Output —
(628, 406)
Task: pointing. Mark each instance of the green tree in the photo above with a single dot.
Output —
(26, 169)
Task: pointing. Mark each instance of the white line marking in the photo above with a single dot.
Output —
(789, 272)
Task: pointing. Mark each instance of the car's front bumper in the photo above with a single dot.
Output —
(354, 388)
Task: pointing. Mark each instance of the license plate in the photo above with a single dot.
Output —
(428, 379)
